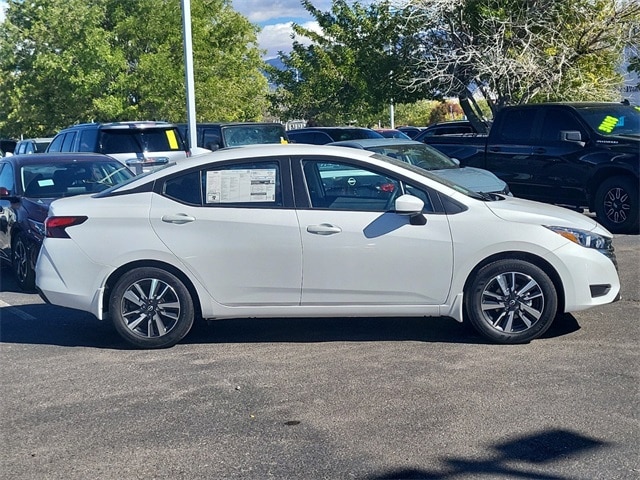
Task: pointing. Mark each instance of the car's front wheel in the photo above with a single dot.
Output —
(21, 262)
(151, 308)
(511, 301)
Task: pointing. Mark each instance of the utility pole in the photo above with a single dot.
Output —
(188, 73)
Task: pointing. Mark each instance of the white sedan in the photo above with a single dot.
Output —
(314, 231)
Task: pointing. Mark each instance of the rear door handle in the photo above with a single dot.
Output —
(540, 151)
(178, 218)
(323, 229)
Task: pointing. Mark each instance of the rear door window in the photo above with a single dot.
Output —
(67, 145)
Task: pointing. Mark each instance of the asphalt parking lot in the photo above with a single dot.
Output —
(321, 398)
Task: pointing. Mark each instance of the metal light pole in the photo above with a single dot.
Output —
(188, 73)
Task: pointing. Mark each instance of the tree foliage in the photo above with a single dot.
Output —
(69, 61)
(351, 70)
(509, 51)
(517, 51)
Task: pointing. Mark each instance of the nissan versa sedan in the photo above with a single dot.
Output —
(29, 183)
(317, 231)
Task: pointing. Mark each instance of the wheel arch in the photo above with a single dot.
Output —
(600, 176)
(536, 260)
(119, 272)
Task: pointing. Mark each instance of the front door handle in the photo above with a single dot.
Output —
(323, 229)
(178, 218)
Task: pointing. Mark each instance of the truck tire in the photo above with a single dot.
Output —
(616, 204)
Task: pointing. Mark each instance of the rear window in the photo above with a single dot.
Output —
(235, 135)
(140, 141)
(55, 180)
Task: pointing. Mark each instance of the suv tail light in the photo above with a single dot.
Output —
(55, 227)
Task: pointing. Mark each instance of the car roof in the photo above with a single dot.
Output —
(37, 139)
(375, 142)
(226, 124)
(133, 124)
(324, 129)
(255, 152)
(70, 157)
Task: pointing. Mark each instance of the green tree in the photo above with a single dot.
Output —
(351, 70)
(69, 61)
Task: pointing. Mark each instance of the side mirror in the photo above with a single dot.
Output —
(408, 205)
(572, 136)
(456, 161)
(4, 192)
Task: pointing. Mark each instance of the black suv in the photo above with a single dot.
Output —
(213, 136)
(135, 144)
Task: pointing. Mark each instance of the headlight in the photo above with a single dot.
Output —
(581, 237)
(586, 239)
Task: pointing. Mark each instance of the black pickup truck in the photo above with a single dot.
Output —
(580, 155)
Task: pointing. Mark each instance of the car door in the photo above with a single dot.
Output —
(509, 153)
(357, 251)
(560, 177)
(234, 230)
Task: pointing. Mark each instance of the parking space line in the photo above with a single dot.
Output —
(16, 311)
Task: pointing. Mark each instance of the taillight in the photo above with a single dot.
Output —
(54, 227)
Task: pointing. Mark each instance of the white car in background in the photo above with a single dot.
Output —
(317, 231)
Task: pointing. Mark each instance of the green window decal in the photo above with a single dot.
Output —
(608, 124)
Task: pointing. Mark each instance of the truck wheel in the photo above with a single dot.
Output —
(151, 308)
(616, 204)
(511, 301)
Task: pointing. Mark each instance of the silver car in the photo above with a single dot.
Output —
(428, 158)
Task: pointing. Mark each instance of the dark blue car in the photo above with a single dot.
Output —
(28, 185)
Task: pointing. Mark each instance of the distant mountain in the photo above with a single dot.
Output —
(276, 62)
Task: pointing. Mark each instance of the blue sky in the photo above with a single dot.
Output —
(273, 16)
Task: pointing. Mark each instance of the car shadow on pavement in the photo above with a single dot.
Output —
(50, 325)
(520, 457)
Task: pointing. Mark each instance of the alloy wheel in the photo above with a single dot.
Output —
(512, 302)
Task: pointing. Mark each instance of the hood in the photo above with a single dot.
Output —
(475, 179)
(526, 211)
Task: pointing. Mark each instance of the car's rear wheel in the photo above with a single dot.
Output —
(511, 301)
(617, 205)
(21, 262)
(151, 308)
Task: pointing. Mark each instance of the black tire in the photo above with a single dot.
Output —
(21, 263)
(616, 204)
(151, 308)
(511, 301)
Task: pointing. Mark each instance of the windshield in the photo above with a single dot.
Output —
(612, 119)
(420, 155)
(435, 178)
(55, 180)
(235, 135)
(131, 140)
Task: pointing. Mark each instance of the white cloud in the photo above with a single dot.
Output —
(261, 12)
(277, 37)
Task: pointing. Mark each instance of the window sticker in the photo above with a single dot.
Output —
(171, 138)
(246, 185)
(46, 182)
(608, 124)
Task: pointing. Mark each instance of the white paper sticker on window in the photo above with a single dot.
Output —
(248, 185)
